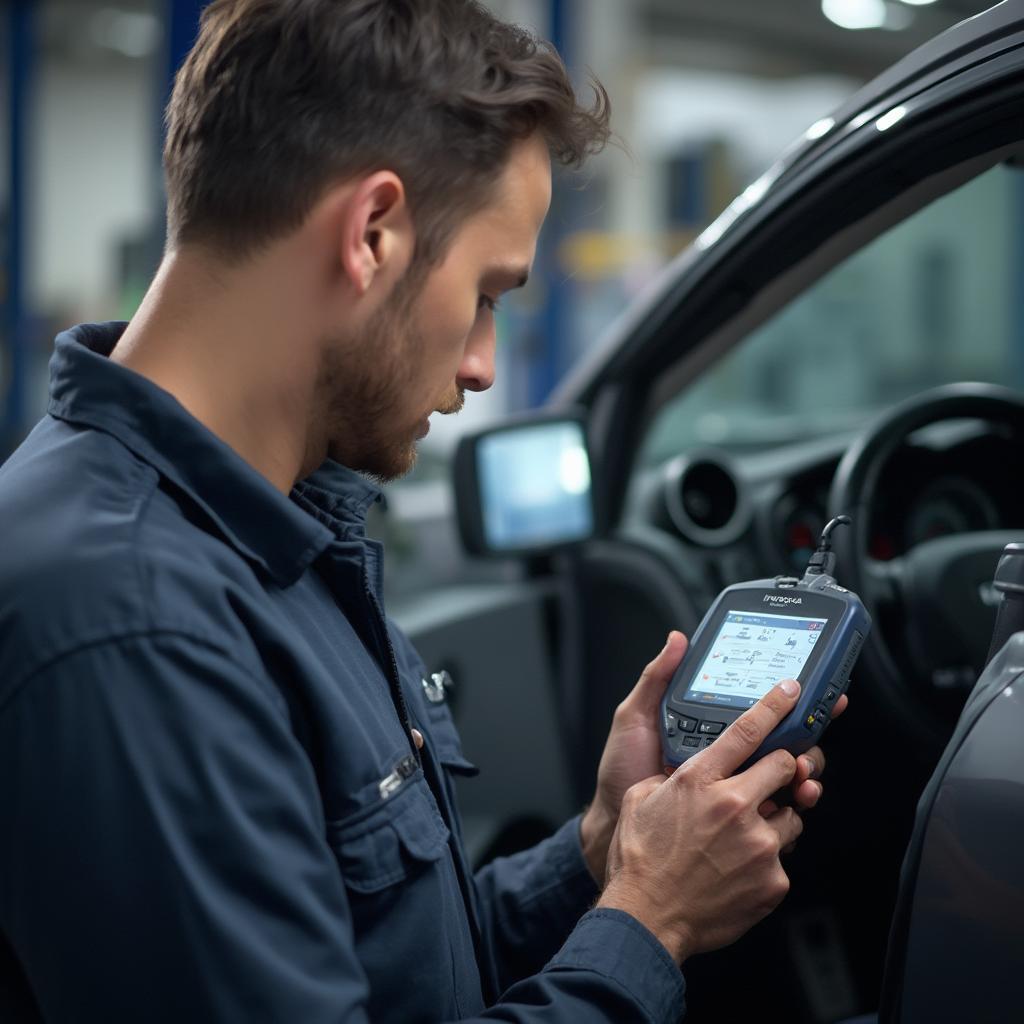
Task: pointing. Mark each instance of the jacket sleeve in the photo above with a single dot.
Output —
(163, 858)
(169, 861)
(534, 907)
(530, 902)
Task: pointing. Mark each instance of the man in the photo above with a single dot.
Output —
(225, 795)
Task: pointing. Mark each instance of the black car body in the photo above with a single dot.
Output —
(542, 659)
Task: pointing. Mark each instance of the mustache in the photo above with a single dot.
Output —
(454, 404)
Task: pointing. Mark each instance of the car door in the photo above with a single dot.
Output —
(540, 660)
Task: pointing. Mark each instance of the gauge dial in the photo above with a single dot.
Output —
(949, 506)
(801, 527)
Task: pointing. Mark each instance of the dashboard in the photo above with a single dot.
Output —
(745, 514)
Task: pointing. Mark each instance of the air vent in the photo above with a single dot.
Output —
(705, 501)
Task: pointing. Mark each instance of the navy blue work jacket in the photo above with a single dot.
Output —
(210, 809)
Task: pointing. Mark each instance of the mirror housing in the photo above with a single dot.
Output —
(523, 488)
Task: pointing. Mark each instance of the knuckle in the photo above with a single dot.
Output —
(772, 702)
(793, 823)
(730, 804)
(634, 793)
(746, 728)
(780, 885)
(765, 847)
(629, 800)
(784, 763)
(639, 791)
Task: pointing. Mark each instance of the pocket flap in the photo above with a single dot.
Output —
(446, 742)
(381, 848)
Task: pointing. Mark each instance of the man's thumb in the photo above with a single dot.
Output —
(656, 676)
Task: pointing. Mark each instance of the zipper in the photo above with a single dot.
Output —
(397, 697)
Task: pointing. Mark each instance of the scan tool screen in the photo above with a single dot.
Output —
(750, 654)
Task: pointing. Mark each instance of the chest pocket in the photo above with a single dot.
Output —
(391, 840)
(407, 908)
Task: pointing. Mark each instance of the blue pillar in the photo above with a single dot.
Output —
(546, 360)
(181, 26)
(15, 317)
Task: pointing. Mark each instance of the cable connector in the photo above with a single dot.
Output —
(823, 561)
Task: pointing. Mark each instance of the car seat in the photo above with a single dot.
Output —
(956, 944)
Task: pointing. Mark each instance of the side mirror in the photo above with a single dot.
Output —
(523, 488)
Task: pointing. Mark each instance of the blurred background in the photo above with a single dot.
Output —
(705, 94)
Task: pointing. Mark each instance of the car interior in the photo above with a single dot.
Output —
(859, 349)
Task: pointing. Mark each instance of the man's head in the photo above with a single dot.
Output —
(419, 132)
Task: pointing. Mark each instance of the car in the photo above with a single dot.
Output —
(847, 337)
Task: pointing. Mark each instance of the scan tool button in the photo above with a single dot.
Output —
(711, 728)
(820, 714)
(708, 740)
(687, 724)
(830, 695)
(810, 722)
(671, 723)
(691, 741)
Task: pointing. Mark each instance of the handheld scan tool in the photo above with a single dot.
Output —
(755, 635)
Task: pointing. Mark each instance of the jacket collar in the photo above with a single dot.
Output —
(266, 528)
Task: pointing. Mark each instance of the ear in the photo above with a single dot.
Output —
(376, 237)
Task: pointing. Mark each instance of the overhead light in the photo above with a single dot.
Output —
(918, 3)
(855, 14)
(131, 33)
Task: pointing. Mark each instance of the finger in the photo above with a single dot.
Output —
(748, 732)
(768, 808)
(650, 688)
(787, 825)
(840, 706)
(807, 794)
(809, 765)
(763, 779)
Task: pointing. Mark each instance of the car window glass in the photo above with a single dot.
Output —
(935, 299)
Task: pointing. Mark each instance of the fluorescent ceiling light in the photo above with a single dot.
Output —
(918, 3)
(855, 14)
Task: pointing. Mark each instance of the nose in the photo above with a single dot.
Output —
(476, 371)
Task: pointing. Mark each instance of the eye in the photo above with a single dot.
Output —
(486, 302)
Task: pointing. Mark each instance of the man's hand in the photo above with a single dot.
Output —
(692, 858)
(633, 753)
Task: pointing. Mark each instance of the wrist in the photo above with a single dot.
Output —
(677, 938)
(597, 826)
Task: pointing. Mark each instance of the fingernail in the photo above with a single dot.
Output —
(810, 767)
(790, 687)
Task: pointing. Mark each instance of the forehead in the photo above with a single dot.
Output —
(510, 222)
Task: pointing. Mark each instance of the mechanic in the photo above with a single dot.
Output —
(225, 790)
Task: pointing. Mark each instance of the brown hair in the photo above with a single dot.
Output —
(280, 99)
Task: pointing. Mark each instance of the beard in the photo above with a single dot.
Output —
(365, 389)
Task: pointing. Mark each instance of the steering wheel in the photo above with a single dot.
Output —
(932, 608)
